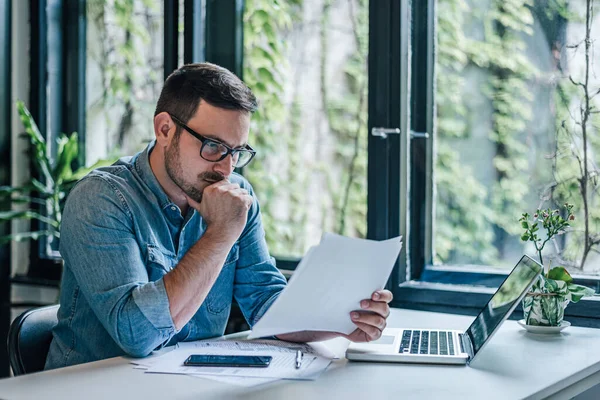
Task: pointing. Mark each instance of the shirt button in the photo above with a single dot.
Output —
(173, 208)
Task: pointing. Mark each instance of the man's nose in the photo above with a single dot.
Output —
(225, 166)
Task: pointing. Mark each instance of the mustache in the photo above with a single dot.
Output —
(211, 176)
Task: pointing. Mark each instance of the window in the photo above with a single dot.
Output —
(508, 138)
(124, 75)
(496, 133)
(307, 63)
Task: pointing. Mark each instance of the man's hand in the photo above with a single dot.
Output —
(371, 320)
(224, 206)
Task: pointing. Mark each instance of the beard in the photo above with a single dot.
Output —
(175, 172)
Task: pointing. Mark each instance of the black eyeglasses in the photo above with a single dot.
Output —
(215, 151)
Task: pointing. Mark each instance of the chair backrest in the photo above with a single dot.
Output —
(29, 339)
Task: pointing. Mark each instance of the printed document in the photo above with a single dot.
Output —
(328, 284)
(282, 365)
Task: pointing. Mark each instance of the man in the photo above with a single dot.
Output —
(157, 245)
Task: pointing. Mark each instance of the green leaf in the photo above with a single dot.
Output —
(27, 214)
(577, 292)
(21, 236)
(65, 154)
(40, 155)
(560, 274)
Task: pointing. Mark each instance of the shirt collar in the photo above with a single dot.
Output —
(142, 166)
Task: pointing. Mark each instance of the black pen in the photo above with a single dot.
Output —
(298, 358)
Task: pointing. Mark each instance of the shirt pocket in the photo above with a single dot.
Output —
(159, 262)
(221, 294)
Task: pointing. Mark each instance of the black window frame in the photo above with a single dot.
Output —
(5, 171)
(57, 67)
(452, 288)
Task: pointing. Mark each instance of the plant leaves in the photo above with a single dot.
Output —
(22, 236)
(577, 292)
(40, 158)
(27, 214)
(560, 274)
(67, 151)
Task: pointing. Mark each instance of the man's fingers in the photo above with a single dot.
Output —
(382, 295)
(228, 187)
(365, 333)
(368, 318)
(244, 195)
(377, 307)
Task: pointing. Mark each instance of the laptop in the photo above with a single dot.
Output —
(447, 346)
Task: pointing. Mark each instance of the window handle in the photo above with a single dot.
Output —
(384, 132)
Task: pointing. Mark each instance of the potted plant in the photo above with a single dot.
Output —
(41, 198)
(545, 304)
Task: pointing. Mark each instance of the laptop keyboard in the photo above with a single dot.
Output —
(427, 342)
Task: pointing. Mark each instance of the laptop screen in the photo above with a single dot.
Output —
(503, 302)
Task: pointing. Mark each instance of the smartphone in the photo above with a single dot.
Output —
(212, 360)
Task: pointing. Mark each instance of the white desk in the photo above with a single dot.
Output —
(514, 365)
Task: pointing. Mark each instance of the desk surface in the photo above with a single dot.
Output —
(515, 364)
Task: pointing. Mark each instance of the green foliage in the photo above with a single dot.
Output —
(473, 222)
(560, 274)
(127, 69)
(347, 119)
(462, 223)
(554, 290)
(49, 187)
(264, 70)
(575, 171)
(277, 129)
(549, 297)
(511, 72)
(550, 220)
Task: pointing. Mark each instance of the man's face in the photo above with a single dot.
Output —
(183, 163)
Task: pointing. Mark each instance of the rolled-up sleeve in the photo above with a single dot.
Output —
(258, 282)
(101, 250)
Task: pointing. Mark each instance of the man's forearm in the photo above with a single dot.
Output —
(188, 284)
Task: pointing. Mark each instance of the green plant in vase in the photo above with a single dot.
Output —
(545, 304)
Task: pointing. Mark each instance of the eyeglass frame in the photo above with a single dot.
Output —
(204, 139)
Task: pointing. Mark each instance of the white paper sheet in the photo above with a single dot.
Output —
(329, 283)
(282, 365)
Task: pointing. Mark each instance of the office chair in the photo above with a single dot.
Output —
(29, 339)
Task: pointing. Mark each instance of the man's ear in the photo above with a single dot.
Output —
(164, 128)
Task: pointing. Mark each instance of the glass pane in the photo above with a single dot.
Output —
(511, 135)
(124, 75)
(307, 63)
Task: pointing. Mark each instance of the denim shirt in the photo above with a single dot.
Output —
(120, 234)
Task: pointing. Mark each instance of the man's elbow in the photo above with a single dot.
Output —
(137, 350)
(139, 345)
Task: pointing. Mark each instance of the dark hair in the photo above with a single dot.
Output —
(219, 87)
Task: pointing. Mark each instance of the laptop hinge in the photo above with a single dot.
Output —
(468, 345)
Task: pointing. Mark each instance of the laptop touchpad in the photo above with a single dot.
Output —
(385, 339)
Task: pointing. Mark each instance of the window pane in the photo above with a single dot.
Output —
(510, 134)
(124, 75)
(307, 63)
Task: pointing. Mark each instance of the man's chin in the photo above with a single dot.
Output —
(194, 194)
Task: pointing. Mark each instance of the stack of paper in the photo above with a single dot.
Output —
(315, 360)
(328, 284)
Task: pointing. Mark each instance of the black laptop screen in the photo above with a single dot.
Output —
(503, 302)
